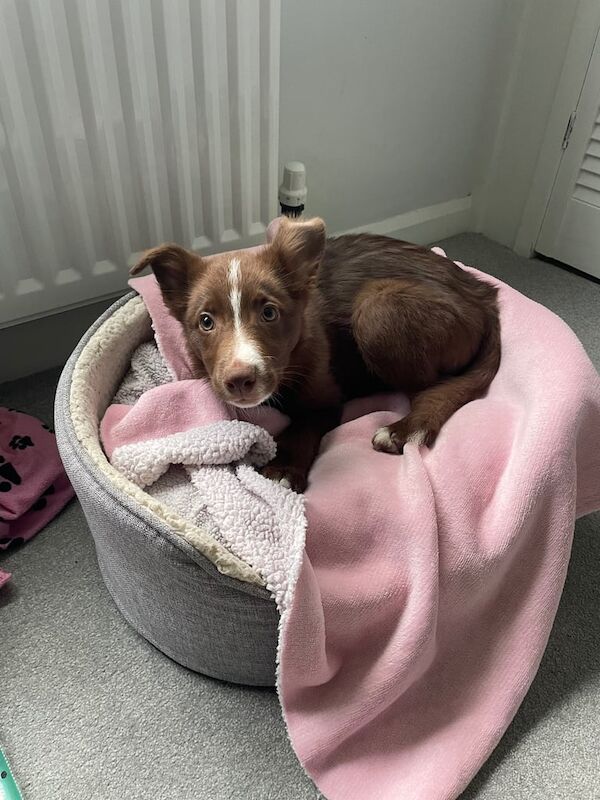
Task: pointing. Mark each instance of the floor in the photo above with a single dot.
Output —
(88, 709)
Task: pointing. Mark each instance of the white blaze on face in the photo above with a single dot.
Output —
(244, 349)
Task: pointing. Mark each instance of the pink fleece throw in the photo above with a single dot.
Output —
(424, 598)
(430, 582)
(33, 483)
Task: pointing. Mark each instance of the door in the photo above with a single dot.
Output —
(570, 230)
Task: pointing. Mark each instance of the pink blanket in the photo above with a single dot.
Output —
(430, 581)
(33, 483)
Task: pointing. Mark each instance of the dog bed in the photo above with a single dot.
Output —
(174, 583)
(418, 604)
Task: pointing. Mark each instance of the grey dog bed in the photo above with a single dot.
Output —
(172, 581)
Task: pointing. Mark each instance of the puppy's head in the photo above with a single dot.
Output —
(243, 312)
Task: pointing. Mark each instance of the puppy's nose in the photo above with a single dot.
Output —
(241, 380)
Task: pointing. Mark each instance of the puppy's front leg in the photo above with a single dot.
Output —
(298, 445)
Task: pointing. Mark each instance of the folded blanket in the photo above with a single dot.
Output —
(147, 370)
(260, 521)
(415, 618)
(33, 483)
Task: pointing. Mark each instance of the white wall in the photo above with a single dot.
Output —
(392, 104)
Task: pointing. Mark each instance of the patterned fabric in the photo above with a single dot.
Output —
(33, 483)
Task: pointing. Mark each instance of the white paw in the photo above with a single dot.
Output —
(384, 441)
(285, 482)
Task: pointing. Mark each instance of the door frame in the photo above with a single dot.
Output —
(586, 28)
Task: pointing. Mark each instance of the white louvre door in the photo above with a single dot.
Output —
(571, 228)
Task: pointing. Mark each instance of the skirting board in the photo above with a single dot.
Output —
(47, 342)
(425, 225)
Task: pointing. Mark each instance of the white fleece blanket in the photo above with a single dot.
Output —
(207, 472)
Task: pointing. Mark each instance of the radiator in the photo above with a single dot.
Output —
(126, 123)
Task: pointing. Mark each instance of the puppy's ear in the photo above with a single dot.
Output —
(298, 248)
(174, 268)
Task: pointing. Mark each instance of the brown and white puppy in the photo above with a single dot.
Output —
(307, 322)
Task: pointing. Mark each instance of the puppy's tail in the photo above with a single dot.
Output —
(434, 406)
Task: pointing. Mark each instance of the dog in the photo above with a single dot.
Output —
(307, 322)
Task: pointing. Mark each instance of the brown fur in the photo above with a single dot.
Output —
(356, 314)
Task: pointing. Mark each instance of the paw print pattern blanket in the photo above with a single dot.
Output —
(33, 483)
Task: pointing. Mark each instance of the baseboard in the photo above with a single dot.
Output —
(45, 342)
(425, 225)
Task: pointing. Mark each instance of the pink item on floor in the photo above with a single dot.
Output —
(33, 483)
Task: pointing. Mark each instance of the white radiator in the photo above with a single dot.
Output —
(125, 123)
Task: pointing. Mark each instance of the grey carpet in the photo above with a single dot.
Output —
(89, 710)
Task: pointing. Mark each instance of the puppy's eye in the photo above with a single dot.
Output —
(270, 313)
(207, 323)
